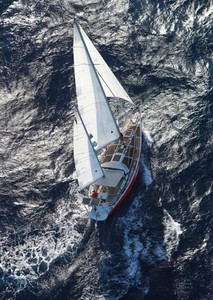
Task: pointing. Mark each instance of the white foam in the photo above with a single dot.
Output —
(22, 262)
(132, 244)
(147, 175)
(133, 248)
(172, 232)
(147, 137)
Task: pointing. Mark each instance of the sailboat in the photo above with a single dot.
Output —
(106, 152)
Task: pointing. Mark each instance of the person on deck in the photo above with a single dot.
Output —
(94, 194)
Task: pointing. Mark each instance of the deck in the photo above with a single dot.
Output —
(126, 151)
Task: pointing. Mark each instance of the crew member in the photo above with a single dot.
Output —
(94, 194)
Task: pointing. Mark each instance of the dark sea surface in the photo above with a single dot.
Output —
(159, 244)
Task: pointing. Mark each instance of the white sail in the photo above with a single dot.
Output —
(110, 83)
(88, 168)
(92, 102)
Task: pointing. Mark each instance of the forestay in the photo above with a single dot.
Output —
(92, 102)
(88, 168)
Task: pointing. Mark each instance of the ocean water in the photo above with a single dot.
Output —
(158, 244)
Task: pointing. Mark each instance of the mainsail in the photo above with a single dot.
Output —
(88, 168)
(92, 102)
(110, 84)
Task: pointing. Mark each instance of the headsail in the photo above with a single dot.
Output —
(110, 83)
(92, 102)
(87, 166)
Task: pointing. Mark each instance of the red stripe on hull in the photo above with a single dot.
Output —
(127, 190)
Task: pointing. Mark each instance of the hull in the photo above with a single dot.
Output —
(121, 162)
(128, 190)
(101, 213)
